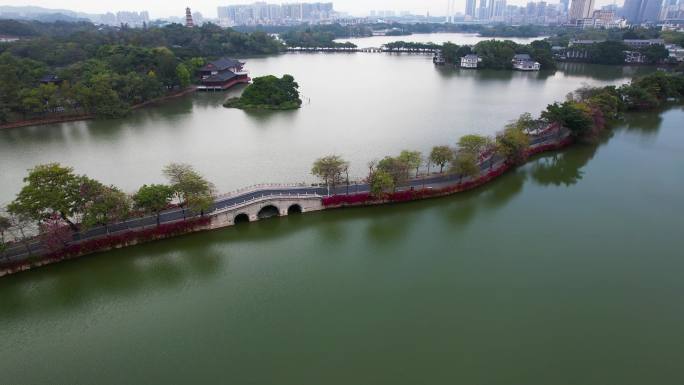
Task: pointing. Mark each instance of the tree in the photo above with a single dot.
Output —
(525, 122)
(412, 159)
(153, 198)
(20, 227)
(465, 164)
(329, 169)
(655, 53)
(371, 166)
(575, 116)
(637, 98)
(607, 52)
(441, 155)
(54, 233)
(50, 189)
(268, 92)
(474, 144)
(395, 167)
(5, 225)
(108, 205)
(607, 102)
(200, 203)
(541, 52)
(380, 182)
(512, 145)
(183, 75)
(188, 184)
(496, 54)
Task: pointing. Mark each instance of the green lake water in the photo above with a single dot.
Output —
(567, 270)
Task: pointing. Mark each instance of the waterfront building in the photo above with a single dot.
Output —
(8, 38)
(676, 52)
(470, 61)
(634, 57)
(580, 9)
(51, 79)
(641, 43)
(524, 62)
(439, 59)
(222, 74)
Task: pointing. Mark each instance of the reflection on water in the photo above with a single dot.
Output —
(603, 72)
(80, 284)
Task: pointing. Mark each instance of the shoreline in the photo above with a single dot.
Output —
(200, 224)
(84, 117)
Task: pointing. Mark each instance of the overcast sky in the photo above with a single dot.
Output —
(208, 7)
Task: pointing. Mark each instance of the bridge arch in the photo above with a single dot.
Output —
(268, 211)
(241, 218)
(294, 209)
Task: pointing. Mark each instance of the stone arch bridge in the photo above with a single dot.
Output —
(264, 207)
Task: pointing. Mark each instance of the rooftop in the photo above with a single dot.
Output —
(220, 77)
(522, 56)
(221, 64)
(50, 78)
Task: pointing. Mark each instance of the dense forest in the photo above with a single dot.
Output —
(106, 70)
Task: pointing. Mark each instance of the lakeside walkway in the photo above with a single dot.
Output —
(18, 252)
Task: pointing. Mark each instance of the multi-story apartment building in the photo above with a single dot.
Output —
(275, 14)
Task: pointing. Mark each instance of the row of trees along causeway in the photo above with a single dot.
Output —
(78, 68)
(268, 93)
(58, 202)
(584, 113)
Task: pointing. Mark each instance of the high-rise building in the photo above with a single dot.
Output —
(274, 14)
(482, 13)
(132, 19)
(498, 10)
(642, 11)
(470, 8)
(650, 10)
(581, 9)
(188, 18)
(630, 10)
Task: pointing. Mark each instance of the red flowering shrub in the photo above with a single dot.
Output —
(127, 238)
(336, 200)
(55, 233)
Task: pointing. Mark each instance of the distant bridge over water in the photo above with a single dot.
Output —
(425, 51)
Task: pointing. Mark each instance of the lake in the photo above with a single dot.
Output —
(567, 270)
(362, 106)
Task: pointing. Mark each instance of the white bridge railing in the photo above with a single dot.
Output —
(263, 186)
(264, 197)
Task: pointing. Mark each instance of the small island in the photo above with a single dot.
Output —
(268, 93)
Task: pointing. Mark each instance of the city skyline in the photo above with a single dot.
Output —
(208, 8)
